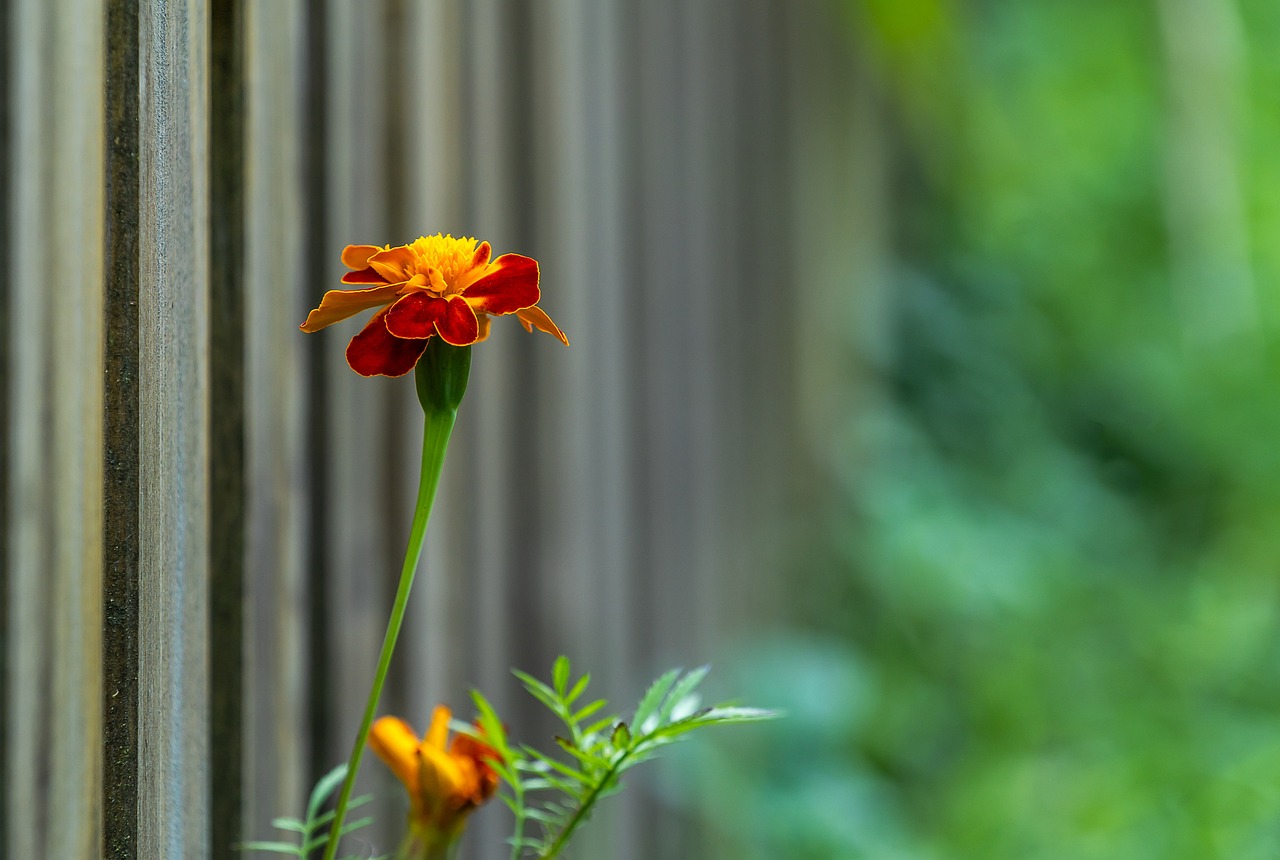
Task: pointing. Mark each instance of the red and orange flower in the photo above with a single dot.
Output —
(445, 781)
(436, 286)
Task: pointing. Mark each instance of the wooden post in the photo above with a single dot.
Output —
(156, 552)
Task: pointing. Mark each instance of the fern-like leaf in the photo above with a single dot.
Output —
(599, 752)
(313, 831)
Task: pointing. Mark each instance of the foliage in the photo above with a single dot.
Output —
(1039, 561)
(600, 749)
(313, 831)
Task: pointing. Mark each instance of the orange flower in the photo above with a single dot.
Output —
(444, 784)
(436, 285)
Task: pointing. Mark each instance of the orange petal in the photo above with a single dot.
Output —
(397, 745)
(479, 754)
(441, 777)
(438, 733)
(337, 305)
(537, 318)
(394, 264)
(376, 352)
(481, 256)
(357, 256)
(483, 334)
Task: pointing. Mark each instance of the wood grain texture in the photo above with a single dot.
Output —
(278, 724)
(121, 454)
(55, 484)
(228, 540)
(173, 564)
(6, 289)
(227, 490)
(30, 525)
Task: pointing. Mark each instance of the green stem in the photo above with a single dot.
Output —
(517, 791)
(435, 439)
(583, 810)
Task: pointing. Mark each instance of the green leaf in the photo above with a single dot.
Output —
(653, 698)
(322, 820)
(273, 847)
(588, 710)
(540, 691)
(560, 675)
(291, 824)
(578, 688)
(680, 691)
(325, 787)
(495, 734)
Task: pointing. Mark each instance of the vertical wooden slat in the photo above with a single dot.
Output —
(155, 720)
(584, 414)
(369, 459)
(279, 725)
(121, 476)
(6, 696)
(173, 431)
(429, 670)
(227, 423)
(29, 621)
(315, 269)
(55, 462)
(74, 355)
(484, 447)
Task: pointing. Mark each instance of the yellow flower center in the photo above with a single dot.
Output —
(449, 256)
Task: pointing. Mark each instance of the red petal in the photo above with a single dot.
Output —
(458, 324)
(510, 285)
(357, 256)
(376, 352)
(481, 256)
(337, 305)
(363, 276)
(415, 315)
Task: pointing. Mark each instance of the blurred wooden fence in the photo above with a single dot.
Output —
(204, 509)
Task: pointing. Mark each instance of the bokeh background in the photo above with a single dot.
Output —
(923, 382)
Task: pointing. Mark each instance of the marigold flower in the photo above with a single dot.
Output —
(434, 286)
(445, 783)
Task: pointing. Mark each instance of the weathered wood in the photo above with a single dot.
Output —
(280, 496)
(6, 696)
(122, 472)
(226, 321)
(173, 340)
(224, 504)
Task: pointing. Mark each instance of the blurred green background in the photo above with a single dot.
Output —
(1033, 573)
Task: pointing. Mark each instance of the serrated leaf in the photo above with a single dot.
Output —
(322, 820)
(541, 692)
(273, 847)
(723, 714)
(291, 824)
(325, 787)
(653, 698)
(542, 815)
(680, 691)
